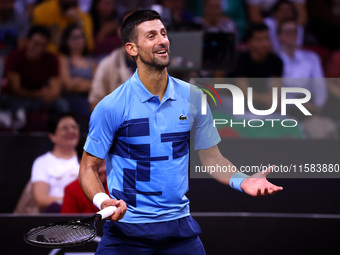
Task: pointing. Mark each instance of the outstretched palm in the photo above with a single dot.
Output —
(258, 185)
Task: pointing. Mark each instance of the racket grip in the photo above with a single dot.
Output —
(107, 212)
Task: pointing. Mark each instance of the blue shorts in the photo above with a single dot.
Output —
(174, 237)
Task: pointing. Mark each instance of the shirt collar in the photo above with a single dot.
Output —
(146, 95)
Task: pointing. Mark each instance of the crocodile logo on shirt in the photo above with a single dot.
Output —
(182, 117)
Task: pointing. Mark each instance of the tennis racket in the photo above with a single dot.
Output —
(67, 234)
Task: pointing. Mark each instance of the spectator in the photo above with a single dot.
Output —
(13, 27)
(282, 10)
(235, 9)
(105, 27)
(181, 18)
(57, 15)
(77, 70)
(259, 9)
(324, 22)
(259, 62)
(75, 200)
(33, 75)
(54, 170)
(112, 71)
(214, 20)
(25, 7)
(297, 64)
(332, 106)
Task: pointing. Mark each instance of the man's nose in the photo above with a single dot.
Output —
(163, 40)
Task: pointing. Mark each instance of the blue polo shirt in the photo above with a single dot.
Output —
(146, 144)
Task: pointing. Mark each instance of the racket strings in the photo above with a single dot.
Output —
(61, 234)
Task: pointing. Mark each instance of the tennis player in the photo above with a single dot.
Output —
(142, 129)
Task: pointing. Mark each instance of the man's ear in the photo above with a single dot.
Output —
(131, 49)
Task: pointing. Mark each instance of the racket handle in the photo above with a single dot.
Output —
(107, 212)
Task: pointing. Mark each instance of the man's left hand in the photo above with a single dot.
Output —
(258, 185)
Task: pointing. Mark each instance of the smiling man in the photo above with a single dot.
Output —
(143, 129)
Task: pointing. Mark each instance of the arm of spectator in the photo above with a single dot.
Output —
(97, 91)
(302, 13)
(334, 87)
(106, 29)
(254, 13)
(17, 89)
(265, 98)
(72, 84)
(276, 82)
(41, 194)
(319, 86)
(51, 92)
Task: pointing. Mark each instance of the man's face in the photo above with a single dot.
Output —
(260, 43)
(66, 134)
(288, 34)
(284, 12)
(153, 44)
(36, 45)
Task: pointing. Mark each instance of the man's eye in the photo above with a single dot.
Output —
(151, 36)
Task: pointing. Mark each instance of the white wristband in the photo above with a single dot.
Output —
(99, 198)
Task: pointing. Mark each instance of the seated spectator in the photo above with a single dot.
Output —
(236, 10)
(54, 170)
(33, 76)
(77, 70)
(75, 200)
(298, 63)
(259, 9)
(181, 18)
(105, 27)
(57, 15)
(214, 20)
(25, 7)
(258, 62)
(13, 28)
(112, 71)
(324, 23)
(282, 10)
(332, 106)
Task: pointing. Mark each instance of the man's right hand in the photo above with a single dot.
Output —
(121, 208)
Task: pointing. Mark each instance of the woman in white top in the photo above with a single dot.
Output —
(54, 170)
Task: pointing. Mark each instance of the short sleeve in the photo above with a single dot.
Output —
(204, 133)
(102, 127)
(39, 172)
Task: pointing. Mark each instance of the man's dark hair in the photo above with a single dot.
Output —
(41, 30)
(278, 4)
(54, 119)
(128, 31)
(252, 29)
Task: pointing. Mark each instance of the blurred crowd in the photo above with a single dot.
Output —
(59, 58)
(66, 55)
